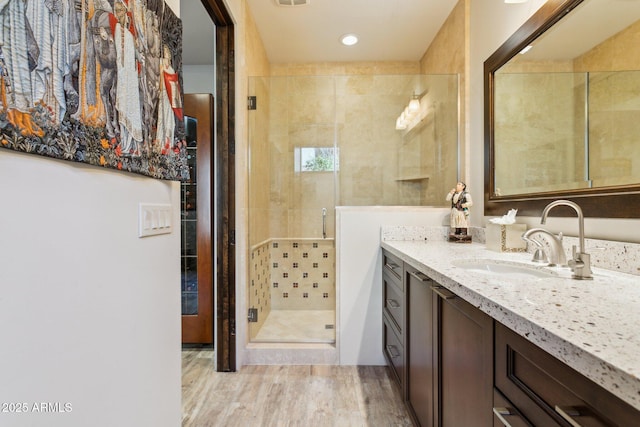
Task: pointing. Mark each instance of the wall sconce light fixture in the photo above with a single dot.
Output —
(414, 104)
(410, 115)
(401, 122)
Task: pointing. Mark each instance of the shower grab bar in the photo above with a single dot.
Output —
(324, 223)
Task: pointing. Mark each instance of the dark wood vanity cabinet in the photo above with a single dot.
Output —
(547, 392)
(449, 356)
(393, 317)
(456, 366)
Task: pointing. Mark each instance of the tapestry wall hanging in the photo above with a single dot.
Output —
(94, 81)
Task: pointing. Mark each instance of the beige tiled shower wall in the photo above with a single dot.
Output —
(353, 104)
(302, 274)
(535, 139)
(291, 274)
(619, 52)
(357, 113)
(260, 166)
(302, 115)
(446, 55)
(614, 100)
(259, 285)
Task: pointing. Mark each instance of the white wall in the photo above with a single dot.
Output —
(199, 79)
(491, 23)
(89, 313)
(359, 275)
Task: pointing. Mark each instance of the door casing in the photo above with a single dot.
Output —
(224, 175)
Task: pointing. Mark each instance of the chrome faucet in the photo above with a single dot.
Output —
(581, 262)
(557, 256)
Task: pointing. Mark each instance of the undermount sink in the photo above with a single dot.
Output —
(503, 268)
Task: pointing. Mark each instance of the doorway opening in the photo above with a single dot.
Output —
(221, 162)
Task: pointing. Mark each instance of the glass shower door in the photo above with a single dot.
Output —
(292, 192)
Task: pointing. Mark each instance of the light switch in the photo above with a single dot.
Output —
(154, 219)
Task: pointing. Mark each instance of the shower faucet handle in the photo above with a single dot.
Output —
(324, 223)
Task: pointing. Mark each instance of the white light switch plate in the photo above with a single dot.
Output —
(154, 219)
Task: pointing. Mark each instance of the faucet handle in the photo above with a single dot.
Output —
(539, 255)
(575, 262)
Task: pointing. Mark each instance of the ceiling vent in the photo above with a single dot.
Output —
(292, 2)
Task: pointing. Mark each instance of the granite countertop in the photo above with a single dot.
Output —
(591, 325)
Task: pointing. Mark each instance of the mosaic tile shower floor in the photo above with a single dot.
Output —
(298, 326)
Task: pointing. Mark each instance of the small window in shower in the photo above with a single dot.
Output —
(316, 159)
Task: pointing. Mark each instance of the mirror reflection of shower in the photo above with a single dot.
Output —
(321, 141)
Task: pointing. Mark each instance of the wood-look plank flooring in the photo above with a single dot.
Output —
(309, 396)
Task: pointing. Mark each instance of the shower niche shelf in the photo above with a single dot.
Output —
(415, 178)
(425, 118)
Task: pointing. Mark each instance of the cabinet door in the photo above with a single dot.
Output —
(420, 347)
(465, 362)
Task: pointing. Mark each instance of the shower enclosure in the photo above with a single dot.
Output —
(320, 141)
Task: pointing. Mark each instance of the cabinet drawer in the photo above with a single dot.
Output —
(505, 413)
(392, 268)
(394, 352)
(394, 303)
(543, 387)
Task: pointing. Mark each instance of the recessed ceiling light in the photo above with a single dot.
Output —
(349, 39)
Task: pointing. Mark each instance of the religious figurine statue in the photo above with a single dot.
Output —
(460, 203)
